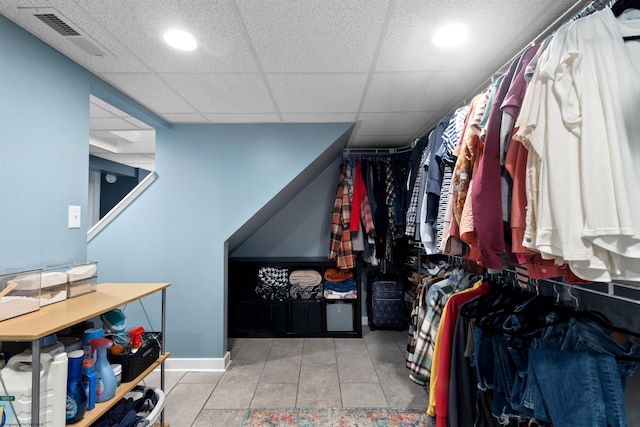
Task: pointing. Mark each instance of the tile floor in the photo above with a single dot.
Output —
(294, 372)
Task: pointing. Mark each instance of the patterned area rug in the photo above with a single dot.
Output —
(335, 417)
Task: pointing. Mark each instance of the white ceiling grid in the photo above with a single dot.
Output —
(370, 61)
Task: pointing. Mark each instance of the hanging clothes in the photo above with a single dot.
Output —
(486, 194)
(340, 249)
(577, 122)
(435, 301)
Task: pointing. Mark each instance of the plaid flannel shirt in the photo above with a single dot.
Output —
(412, 210)
(340, 247)
(366, 216)
(436, 299)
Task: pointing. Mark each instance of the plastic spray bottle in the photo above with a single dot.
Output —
(76, 397)
(105, 378)
(89, 381)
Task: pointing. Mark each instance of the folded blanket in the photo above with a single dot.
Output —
(329, 294)
(273, 283)
(276, 276)
(305, 278)
(305, 292)
(348, 285)
(337, 275)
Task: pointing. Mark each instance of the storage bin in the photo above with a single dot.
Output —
(23, 295)
(339, 317)
(153, 416)
(272, 317)
(133, 364)
(53, 285)
(82, 279)
(306, 317)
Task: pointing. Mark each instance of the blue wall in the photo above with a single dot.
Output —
(44, 152)
(306, 219)
(212, 179)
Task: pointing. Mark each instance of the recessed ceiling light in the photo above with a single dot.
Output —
(180, 39)
(451, 35)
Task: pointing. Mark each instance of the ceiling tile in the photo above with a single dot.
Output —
(139, 26)
(499, 30)
(97, 111)
(116, 55)
(184, 117)
(406, 92)
(314, 36)
(242, 118)
(379, 141)
(319, 117)
(143, 161)
(316, 55)
(151, 91)
(317, 93)
(110, 123)
(137, 123)
(381, 124)
(223, 93)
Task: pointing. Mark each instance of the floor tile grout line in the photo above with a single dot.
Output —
(264, 364)
(204, 404)
(383, 346)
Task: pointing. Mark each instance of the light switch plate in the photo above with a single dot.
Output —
(74, 216)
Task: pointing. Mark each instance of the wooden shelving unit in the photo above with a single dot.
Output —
(56, 317)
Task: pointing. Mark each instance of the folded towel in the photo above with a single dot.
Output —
(276, 276)
(305, 292)
(329, 294)
(348, 285)
(305, 278)
(337, 275)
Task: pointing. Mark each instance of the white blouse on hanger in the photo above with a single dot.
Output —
(587, 136)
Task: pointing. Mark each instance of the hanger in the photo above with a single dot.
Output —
(621, 5)
(618, 9)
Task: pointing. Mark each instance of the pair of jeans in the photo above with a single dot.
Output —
(521, 399)
(576, 388)
(504, 377)
(587, 335)
(482, 358)
(574, 374)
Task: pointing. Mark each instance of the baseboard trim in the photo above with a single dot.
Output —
(198, 364)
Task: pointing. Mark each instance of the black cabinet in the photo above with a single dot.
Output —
(289, 312)
(272, 317)
(306, 317)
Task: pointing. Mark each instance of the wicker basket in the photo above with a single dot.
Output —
(134, 364)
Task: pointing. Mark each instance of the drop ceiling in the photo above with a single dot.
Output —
(366, 61)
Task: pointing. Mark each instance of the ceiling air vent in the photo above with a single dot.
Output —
(66, 28)
(57, 24)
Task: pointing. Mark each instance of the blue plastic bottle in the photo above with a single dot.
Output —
(76, 397)
(105, 378)
(89, 381)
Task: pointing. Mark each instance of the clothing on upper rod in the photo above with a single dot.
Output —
(558, 217)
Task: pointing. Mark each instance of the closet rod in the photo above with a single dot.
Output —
(376, 152)
(611, 289)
